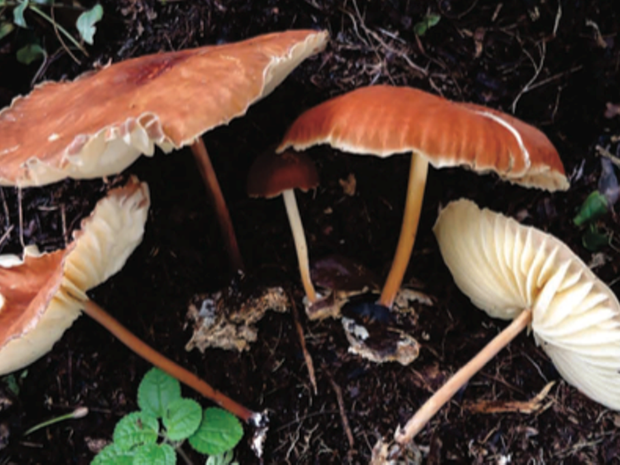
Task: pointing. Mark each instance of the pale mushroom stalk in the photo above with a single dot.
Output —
(445, 393)
(413, 206)
(301, 247)
(152, 356)
(215, 193)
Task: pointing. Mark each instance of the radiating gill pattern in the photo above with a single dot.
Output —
(505, 267)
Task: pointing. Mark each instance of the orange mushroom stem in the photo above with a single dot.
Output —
(458, 380)
(408, 231)
(173, 369)
(215, 193)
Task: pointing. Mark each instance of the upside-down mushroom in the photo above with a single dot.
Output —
(385, 120)
(518, 272)
(100, 123)
(41, 295)
(274, 174)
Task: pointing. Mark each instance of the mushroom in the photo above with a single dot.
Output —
(167, 100)
(41, 295)
(385, 120)
(274, 174)
(518, 272)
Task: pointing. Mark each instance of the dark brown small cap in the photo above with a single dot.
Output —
(273, 173)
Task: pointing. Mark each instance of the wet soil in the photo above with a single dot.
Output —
(554, 65)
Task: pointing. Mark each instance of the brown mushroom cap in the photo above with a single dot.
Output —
(102, 121)
(385, 120)
(272, 173)
(38, 295)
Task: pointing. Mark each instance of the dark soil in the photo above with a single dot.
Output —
(503, 55)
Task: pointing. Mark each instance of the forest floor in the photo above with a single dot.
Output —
(554, 66)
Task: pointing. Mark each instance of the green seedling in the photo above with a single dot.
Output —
(596, 206)
(14, 381)
(80, 412)
(140, 439)
(430, 20)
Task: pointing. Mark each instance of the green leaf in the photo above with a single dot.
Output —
(420, 28)
(592, 208)
(225, 458)
(113, 455)
(182, 419)
(18, 14)
(86, 23)
(593, 240)
(219, 431)
(5, 29)
(136, 429)
(156, 391)
(29, 53)
(432, 19)
(155, 454)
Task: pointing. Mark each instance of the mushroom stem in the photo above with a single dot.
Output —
(445, 393)
(409, 228)
(160, 361)
(300, 242)
(215, 193)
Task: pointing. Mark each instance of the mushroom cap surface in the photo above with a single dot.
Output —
(384, 120)
(102, 121)
(273, 173)
(40, 295)
(505, 267)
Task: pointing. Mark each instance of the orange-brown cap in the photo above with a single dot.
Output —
(101, 122)
(40, 295)
(272, 173)
(385, 120)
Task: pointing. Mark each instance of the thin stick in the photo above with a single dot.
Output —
(302, 342)
(301, 247)
(215, 193)
(443, 395)
(343, 413)
(409, 229)
(160, 361)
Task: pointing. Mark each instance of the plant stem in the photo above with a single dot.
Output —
(160, 361)
(77, 413)
(445, 393)
(60, 28)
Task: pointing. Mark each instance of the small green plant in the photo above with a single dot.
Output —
(597, 205)
(12, 19)
(139, 439)
(430, 20)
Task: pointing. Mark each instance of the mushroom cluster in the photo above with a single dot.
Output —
(164, 100)
(386, 120)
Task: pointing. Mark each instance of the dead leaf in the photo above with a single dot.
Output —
(612, 110)
(497, 406)
(349, 185)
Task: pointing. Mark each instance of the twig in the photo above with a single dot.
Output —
(7, 219)
(302, 342)
(59, 37)
(537, 69)
(60, 28)
(390, 49)
(603, 152)
(20, 215)
(6, 234)
(343, 413)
